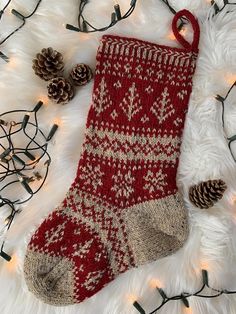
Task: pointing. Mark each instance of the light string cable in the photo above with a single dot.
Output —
(4, 8)
(19, 15)
(215, 6)
(86, 27)
(18, 164)
(218, 9)
(232, 138)
(183, 297)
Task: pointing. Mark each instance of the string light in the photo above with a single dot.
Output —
(85, 27)
(11, 265)
(155, 283)
(183, 31)
(230, 78)
(188, 311)
(17, 164)
(20, 16)
(216, 7)
(183, 297)
(222, 100)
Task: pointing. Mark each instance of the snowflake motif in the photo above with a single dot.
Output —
(123, 184)
(155, 182)
(82, 250)
(92, 279)
(92, 176)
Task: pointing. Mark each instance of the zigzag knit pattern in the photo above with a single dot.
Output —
(123, 208)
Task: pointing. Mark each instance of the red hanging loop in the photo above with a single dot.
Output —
(196, 30)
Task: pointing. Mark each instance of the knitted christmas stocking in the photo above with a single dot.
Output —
(123, 208)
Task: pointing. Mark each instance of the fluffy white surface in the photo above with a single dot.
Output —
(204, 156)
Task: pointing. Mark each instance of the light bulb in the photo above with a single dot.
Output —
(12, 264)
(230, 78)
(155, 283)
(132, 298)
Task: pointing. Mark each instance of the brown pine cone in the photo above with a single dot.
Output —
(60, 90)
(48, 64)
(81, 74)
(207, 193)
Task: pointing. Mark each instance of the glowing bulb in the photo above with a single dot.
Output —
(171, 36)
(205, 265)
(188, 310)
(155, 283)
(7, 220)
(233, 200)
(8, 11)
(57, 121)
(183, 32)
(132, 298)
(11, 266)
(12, 63)
(44, 99)
(84, 36)
(230, 78)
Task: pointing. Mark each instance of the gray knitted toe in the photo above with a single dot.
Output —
(49, 278)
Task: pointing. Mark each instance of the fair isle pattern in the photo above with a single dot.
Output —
(103, 100)
(163, 108)
(146, 147)
(131, 103)
(155, 181)
(123, 208)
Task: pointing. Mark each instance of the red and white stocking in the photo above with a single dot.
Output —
(123, 208)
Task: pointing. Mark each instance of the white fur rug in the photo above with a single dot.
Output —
(205, 155)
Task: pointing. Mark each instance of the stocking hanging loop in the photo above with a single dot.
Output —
(196, 30)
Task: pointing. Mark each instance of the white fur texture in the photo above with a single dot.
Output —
(212, 240)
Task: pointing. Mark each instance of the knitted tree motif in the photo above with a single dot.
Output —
(155, 181)
(55, 234)
(131, 103)
(101, 97)
(162, 108)
(123, 184)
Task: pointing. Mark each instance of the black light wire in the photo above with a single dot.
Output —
(21, 17)
(222, 100)
(86, 27)
(18, 167)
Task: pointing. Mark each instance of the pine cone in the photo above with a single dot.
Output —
(206, 193)
(60, 90)
(48, 64)
(81, 74)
